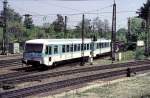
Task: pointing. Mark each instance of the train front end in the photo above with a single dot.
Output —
(33, 53)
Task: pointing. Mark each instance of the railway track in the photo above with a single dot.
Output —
(18, 73)
(50, 87)
(10, 62)
(20, 77)
(12, 55)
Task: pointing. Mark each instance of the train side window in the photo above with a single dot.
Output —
(84, 46)
(63, 49)
(102, 45)
(75, 47)
(55, 49)
(46, 50)
(67, 48)
(91, 46)
(96, 46)
(99, 45)
(71, 48)
(79, 47)
(87, 46)
(50, 50)
(105, 45)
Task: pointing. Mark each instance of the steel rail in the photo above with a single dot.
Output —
(49, 87)
(20, 77)
(10, 62)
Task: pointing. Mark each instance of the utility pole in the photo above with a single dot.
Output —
(65, 27)
(148, 33)
(4, 39)
(82, 45)
(129, 30)
(144, 28)
(113, 36)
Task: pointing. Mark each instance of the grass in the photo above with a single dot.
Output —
(129, 55)
(126, 56)
(135, 87)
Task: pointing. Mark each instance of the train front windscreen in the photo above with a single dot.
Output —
(33, 48)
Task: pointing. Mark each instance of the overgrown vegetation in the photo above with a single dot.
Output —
(139, 54)
(20, 30)
(136, 87)
(17, 31)
(129, 55)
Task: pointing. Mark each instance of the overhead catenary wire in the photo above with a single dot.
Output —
(45, 17)
(80, 12)
(97, 10)
(35, 14)
(73, 14)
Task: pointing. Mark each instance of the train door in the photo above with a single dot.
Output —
(48, 55)
(56, 53)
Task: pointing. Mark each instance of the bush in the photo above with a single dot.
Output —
(139, 54)
(128, 55)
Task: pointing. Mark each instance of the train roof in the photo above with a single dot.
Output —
(64, 41)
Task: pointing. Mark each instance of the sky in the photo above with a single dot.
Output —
(44, 11)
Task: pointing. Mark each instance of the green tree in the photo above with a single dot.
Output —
(87, 28)
(101, 27)
(14, 25)
(121, 34)
(136, 24)
(49, 30)
(12, 15)
(28, 22)
(59, 23)
(143, 11)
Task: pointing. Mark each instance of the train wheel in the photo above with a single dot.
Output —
(53, 66)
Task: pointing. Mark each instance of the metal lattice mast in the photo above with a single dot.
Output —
(113, 36)
(82, 46)
(65, 28)
(4, 40)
